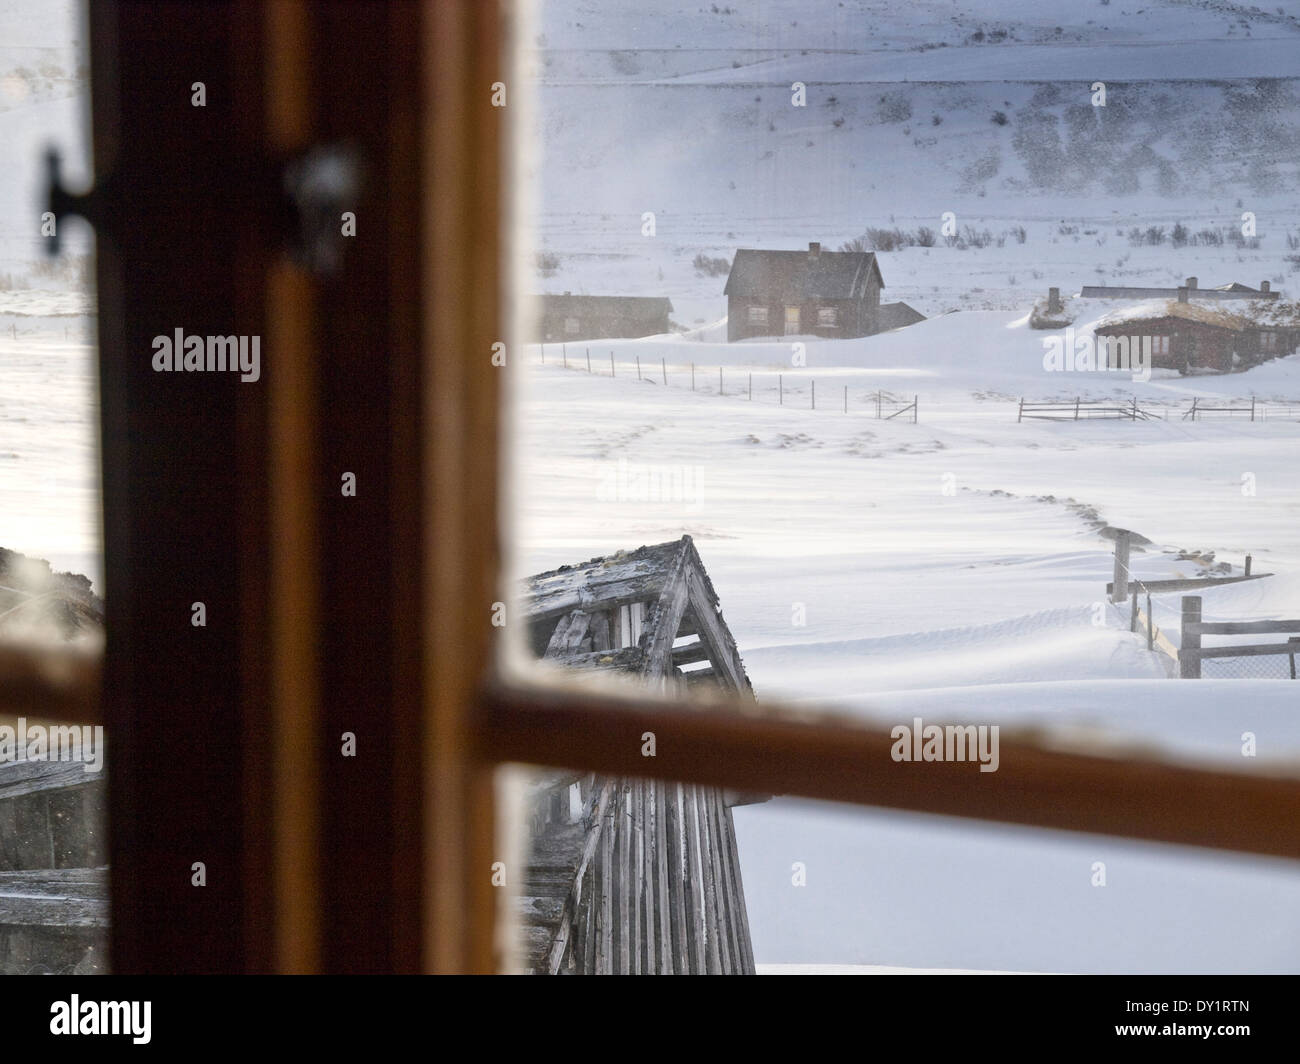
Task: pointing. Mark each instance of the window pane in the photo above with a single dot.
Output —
(53, 848)
(959, 474)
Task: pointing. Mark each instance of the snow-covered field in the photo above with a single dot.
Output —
(953, 569)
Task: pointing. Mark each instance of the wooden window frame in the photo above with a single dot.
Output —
(445, 693)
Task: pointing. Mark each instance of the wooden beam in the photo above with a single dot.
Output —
(1243, 627)
(1191, 583)
(689, 654)
(800, 752)
(714, 635)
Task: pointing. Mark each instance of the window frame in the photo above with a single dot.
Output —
(451, 699)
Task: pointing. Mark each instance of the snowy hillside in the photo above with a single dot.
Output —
(984, 110)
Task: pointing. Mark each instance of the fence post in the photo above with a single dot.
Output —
(1252, 408)
(664, 363)
(916, 409)
(1134, 417)
(878, 398)
(1133, 617)
(751, 387)
(1119, 589)
(1021, 412)
(1151, 625)
(1294, 639)
(1076, 408)
(814, 395)
(1189, 658)
(612, 373)
(638, 367)
(543, 354)
(1247, 564)
(780, 391)
(589, 360)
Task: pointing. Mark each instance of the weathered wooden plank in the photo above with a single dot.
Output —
(587, 956)
(594, 815)
(605, 921)
(698, 678)
(689, 654)
(628, 659)
(663, 921)
(59, 897)
(637, 901)
(569, 635)
(742, 912)
(712, 900)
(28, 777)
(1192, 583)
(1251, 650)
(1243, 627)
(664, 616)
(623, 838)
(678, 893)
(732, 961)
(713, 634)
(695, 894)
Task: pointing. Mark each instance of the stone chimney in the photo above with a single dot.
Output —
(1191, 283)
(814, 249)
(1054, 301)
(1182, 292)
(1263, 286)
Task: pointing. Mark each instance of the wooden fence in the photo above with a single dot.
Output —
(740, 384)
(1079, 409)
(1142, 620)
(53, 874)
(1191, 652)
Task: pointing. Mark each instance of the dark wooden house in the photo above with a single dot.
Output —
(631, 875)
(835, 294)
(1191, 337)
(567, 317)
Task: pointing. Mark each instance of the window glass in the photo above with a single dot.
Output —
(965, 510)
(53, 849)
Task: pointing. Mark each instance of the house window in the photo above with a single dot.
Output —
(827, 317)
(758, 315)
(1267, 340)
(1160, 345)
(571, 326)
(791, 321)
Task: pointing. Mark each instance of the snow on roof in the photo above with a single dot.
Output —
(1243, 316)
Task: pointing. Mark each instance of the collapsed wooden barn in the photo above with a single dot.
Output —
(629, 875)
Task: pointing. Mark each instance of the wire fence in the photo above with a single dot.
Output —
(778, 388)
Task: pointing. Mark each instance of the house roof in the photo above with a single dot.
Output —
(1235, 286)
(568, 303)
(1213, 315)
(895, 315)
(801, 275)
(561, 606)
